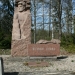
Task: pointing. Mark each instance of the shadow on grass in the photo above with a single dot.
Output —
(12, 73)
(45, 73)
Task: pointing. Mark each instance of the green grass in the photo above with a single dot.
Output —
(70, 48)
(5, 51)
(25, 63)
(72, 60)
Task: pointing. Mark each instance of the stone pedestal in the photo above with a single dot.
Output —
(20, 47)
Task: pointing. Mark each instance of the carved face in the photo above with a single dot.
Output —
(21, 6)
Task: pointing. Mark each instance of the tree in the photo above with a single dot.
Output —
(6, 19)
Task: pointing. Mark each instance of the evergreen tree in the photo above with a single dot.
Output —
(6, 19)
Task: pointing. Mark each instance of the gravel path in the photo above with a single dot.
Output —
(15, 66)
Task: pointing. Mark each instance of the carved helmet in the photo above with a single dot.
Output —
(27, 3)
(20, 0)
(16, 2)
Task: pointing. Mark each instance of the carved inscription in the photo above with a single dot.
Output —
(34, 48)
(41, 48)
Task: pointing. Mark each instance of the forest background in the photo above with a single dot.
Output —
(51, 19)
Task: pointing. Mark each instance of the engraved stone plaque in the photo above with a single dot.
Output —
(44, 49)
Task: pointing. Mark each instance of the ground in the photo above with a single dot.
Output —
(20, 66)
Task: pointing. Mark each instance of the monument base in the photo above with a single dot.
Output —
(20, 47)
(25, 48)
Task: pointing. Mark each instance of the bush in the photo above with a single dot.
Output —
(5, 42)
(70, 48)
(68, 42)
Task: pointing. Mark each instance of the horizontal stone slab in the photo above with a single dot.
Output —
(44, 49)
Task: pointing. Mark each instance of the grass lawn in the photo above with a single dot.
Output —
(5, 51)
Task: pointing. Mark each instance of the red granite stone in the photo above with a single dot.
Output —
(44, 49)
(21, 30)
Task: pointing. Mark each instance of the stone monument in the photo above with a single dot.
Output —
(21, 35)
(21, 31)
(44, 48)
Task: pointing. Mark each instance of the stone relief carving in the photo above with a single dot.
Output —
(22, 18)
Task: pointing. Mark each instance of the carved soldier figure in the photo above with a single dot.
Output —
(21, 32)
(20, 21)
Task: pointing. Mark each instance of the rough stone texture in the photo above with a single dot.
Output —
(43, 49)
(55, 41)
(42, 42)
(25, 26)
(48, 42)
(20, 47)
(21, 32)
